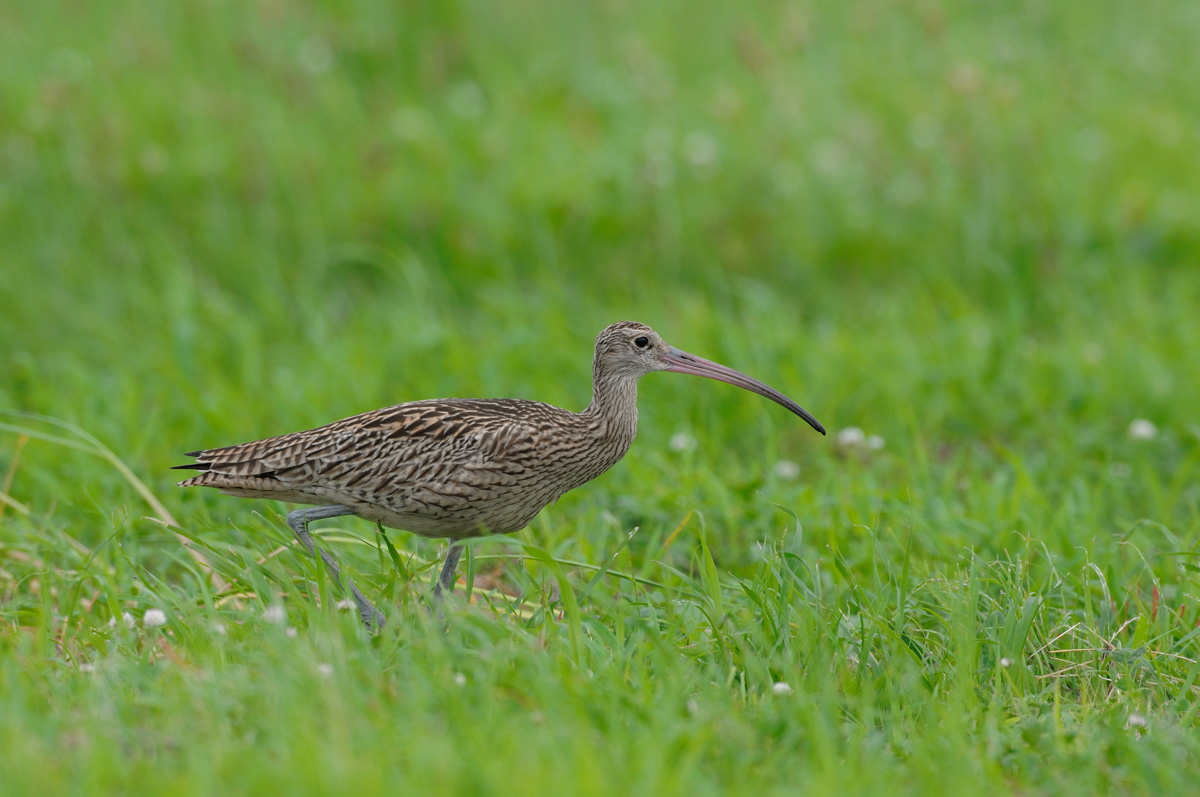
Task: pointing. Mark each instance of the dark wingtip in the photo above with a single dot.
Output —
(194, 465)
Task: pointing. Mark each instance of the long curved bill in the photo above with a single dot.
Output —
(681, 362)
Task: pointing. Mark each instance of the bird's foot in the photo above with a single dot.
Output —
(449, 574)
(372, 618)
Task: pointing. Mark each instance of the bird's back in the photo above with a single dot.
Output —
(441, 468)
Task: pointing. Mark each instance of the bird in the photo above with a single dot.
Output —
(458, 468)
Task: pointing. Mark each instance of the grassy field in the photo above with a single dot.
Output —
(969, 230)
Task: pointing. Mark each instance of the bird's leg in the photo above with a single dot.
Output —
(372, 618)
(449, 574)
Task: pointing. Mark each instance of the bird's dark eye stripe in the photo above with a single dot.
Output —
(641, 342)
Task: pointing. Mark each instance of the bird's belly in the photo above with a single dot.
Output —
(504, 512)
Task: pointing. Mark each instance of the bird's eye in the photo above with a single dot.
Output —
(641, 342)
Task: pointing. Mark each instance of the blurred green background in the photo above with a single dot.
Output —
(969, 229)
(967, 221)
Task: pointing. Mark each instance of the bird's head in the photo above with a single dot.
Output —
(632, 350)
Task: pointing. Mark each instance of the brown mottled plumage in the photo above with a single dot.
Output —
(458, 468)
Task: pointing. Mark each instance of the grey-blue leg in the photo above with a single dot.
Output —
(449, 574)
(298, 521)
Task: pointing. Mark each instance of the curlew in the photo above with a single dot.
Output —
(458, 468)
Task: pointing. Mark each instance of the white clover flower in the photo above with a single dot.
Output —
(1142, 429)
(1136, 721)
(316, 56)
(682, 442)
(700, 149)
(325, 669)
(1006, 663)
(782, 688)
(275, 614)
(460, 679)
(786, 469)
(829, 157)
(154, 618)
(466, 100)
(291, 632)
(875, 442)
(1120, 470)
(410, 123)
(1093, 353)
(851, 437)
(126, 619)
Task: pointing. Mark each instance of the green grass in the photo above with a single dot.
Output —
(967, 228)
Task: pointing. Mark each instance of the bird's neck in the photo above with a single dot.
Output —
(613, 410)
